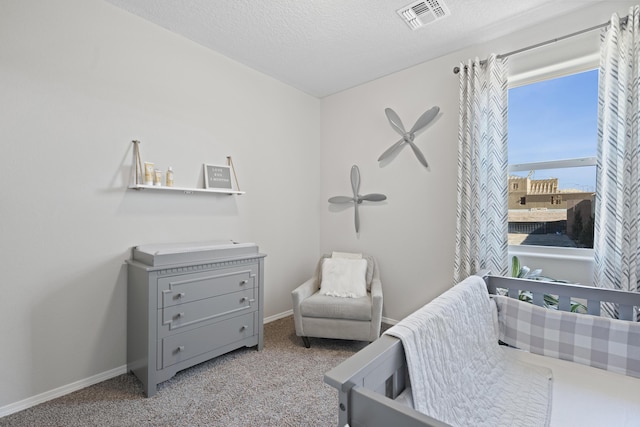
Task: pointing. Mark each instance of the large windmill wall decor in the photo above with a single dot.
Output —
(357, 198)
(408, 136)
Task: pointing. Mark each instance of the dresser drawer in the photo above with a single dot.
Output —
(188, 344)
(180, 316)
(195, 286)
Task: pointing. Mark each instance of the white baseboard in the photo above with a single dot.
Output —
(389, 321)
(61, 391)
(278, 316)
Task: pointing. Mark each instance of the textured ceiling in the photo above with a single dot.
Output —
(324, 46)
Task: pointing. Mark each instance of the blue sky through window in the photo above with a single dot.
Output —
(556, 119)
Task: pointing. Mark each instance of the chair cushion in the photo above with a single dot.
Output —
(323, 306)
(343, 277)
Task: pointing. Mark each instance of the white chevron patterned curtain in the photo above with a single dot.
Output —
(617, 225)
(481, 235)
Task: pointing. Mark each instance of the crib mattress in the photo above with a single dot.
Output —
(585, 396)
(582, 396)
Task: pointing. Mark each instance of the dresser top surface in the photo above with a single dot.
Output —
(175, 253)
(175, 248)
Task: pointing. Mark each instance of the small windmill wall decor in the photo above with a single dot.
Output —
(408, 137)
(357, 198)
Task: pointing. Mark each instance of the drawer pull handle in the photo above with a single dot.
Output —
(179, 349)
(244, 299)
(178, 315)
(243, 328)
(244, 282)
(180, 295)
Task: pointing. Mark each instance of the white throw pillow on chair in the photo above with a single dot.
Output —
(344, 277)
(335, 254)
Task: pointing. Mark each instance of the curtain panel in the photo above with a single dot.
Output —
(482, 214)
(617, 221)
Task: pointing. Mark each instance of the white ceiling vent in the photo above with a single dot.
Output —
(422, 12)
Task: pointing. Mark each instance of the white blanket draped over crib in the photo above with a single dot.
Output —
(459, 374)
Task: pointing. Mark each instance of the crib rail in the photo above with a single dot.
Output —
(626, 301)
(380, 367)
(367, 383)
(371, 409)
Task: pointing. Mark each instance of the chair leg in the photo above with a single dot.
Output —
(306, 342)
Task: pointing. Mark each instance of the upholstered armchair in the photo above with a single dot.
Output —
(325, 316)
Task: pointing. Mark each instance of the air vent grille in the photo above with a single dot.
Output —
(422, 12)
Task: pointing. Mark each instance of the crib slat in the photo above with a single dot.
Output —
(625, 312)
(593, 307)
(564, 303)
(538, 299)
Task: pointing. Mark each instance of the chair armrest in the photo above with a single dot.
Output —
(376, 308)
(304, 291)
(376, 294)
(298, 295)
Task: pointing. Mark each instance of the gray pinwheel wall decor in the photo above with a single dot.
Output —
(357, 198)
(408, 136)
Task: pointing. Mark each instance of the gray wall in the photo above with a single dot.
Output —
(79, 80)
(413, 234)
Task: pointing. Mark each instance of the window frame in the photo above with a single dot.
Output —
(555, 164)
(587, 63)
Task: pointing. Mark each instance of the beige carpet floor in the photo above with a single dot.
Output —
(279, 386)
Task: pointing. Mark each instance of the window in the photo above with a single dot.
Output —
(552, 172)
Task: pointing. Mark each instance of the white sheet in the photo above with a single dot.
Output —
(588, 397)
(459, 373)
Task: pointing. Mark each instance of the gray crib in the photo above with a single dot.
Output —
(369, 382)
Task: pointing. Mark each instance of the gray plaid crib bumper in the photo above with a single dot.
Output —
(600, 342)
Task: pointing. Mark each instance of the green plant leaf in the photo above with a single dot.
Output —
(535, 273)
(515, 266)
(576, 307)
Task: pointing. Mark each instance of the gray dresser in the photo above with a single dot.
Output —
(188, 303)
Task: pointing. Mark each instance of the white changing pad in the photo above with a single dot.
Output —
(178, 253)
(585, 396)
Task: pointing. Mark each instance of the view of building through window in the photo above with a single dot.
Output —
(552, 173)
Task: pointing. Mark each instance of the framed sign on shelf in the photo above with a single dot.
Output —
(217, 176)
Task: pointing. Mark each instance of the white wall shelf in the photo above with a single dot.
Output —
(138, 172)
(186, 190)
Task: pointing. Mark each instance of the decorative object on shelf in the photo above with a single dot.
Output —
(148, 173)
(217, 176)
(235, 177)
(157, 177)
(408, 137)
(169, 177)
(357, 198)
(136, 154)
